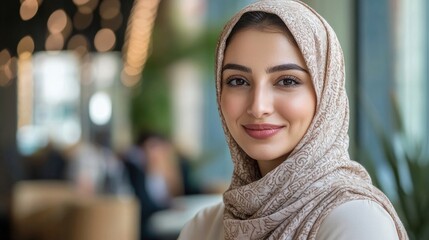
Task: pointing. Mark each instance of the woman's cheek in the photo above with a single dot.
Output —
(297, 106)
(228, 105)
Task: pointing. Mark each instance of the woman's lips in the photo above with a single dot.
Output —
(262, 131)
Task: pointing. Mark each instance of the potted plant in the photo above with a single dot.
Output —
(409, 167)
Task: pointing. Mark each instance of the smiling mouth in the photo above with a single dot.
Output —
(262, 131)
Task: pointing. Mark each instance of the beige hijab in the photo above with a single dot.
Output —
(291, 201)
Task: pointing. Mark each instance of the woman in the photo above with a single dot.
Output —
(281, 93)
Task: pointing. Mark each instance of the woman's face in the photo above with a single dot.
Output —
(268, 99)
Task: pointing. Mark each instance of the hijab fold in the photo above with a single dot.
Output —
(291, 201)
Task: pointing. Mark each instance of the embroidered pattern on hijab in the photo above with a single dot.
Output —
(291, 201)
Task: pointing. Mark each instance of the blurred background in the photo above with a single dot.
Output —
(108, 119)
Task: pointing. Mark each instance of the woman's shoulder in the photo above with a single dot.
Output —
(207, 222)
(358, 219)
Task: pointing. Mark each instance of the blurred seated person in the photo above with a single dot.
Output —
(158, 173)
(48, 163)
(96, 170)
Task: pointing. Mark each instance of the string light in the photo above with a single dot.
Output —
(25, 90)
(137, 40)
(60, 27)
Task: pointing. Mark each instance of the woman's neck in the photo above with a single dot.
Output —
(265, 166)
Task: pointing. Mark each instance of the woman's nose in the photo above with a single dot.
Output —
(261, 102)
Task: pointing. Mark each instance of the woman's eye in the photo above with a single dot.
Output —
(236, 82)
(288, 81)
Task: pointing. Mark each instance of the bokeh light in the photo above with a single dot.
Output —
(110, 9)
(68, 28)
(11, 68)
(82, 20)
(80, 2)
(4, 56)
(79, 44)
(104, 40)
(88, 7)
(113, 23)
(7, 68)
(100, 108)
(129, 80)
(54, 42)
(57, 21)
(25, 46)
(28, 9)
(8, 71)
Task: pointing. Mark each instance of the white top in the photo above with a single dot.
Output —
(354, 220)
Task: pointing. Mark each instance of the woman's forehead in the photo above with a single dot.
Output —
(256, 48)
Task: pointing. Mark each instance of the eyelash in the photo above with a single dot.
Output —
(293, 81)
(230, 80)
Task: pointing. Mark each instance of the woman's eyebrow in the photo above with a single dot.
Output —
(238, 67)
(284, 67)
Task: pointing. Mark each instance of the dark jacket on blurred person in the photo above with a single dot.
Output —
(157, 174)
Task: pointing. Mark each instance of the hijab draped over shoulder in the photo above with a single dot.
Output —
(291, 201)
